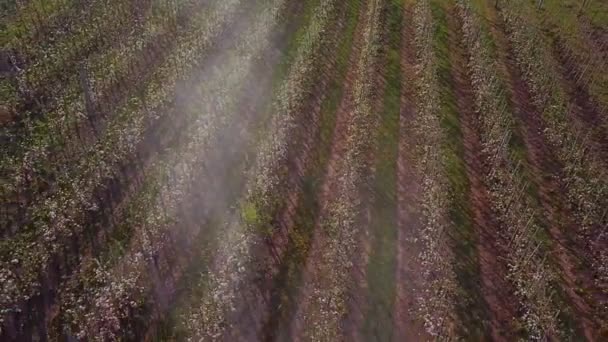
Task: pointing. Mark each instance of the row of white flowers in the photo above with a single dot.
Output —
(435, 302)
(59, 217)
(584, 174)
(517, 212)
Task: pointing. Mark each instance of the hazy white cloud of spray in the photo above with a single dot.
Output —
(220, 137)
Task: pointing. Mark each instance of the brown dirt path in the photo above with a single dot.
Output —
(545, 172)
(496, 289)
(406, 324)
